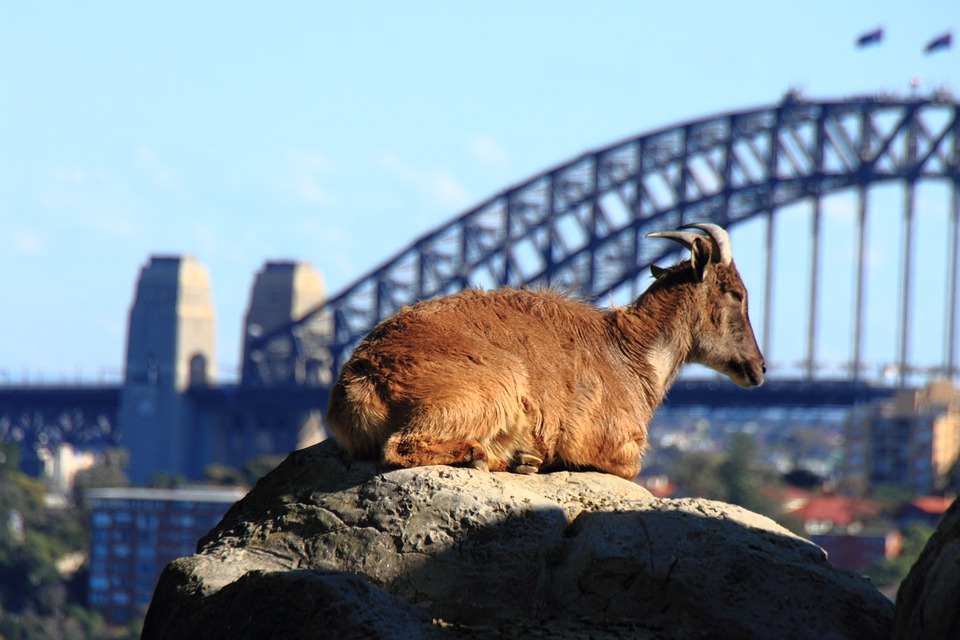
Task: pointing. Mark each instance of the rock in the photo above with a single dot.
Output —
(311, 602)
(441, 551)
(927, 601)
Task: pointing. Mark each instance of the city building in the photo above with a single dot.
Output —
(835, 514)
(850, 530)
(911, 441)
(855, 552)
(136, 532)
(61, 465)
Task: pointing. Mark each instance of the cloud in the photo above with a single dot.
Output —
(26, 242)
(487, 152)
(437, 185)
(303, 176)
(94, 198)
(158, 171)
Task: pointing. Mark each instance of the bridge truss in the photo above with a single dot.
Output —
(43, 416)
(580, 226)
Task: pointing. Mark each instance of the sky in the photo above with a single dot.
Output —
(337, 133)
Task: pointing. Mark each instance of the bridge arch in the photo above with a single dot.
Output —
(580, 225)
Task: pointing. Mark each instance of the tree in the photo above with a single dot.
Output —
(37, 600)
(890, 572)
(165, 480)
(222, 474)
(260, 466)
(743, 477)
(252, 471)
(735, 476)
(696, 474)
(30, 545)
(109, 471)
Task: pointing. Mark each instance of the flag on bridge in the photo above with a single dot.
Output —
(940, 42)
(871, 37)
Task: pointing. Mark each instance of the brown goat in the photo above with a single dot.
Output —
(524, 380)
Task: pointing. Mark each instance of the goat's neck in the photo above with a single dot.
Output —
(659, 337)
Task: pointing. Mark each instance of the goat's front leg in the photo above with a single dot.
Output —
(405, 449)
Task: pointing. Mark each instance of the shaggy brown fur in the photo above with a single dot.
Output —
(523, 380)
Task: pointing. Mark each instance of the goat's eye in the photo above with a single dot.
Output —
(737, 295)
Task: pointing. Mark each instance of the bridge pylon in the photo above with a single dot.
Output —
(170, 347)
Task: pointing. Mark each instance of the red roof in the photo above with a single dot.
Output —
(839, 510)
(934, 505)
(785, 494)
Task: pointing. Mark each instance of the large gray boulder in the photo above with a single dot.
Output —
(928, 601)
(322, 547)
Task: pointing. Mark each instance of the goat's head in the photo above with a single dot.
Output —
(722, 337)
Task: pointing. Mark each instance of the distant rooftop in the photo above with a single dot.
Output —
(932, 504)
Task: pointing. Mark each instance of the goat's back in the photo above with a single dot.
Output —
(478, 323)
(471, 357)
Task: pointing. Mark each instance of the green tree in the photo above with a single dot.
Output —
(31, 542)
(735, 476)
(890, 572)
(37, 600)
(252, 470)
(260, 466)
(165, 480)
(109, 471)
(890, 496)
(697, 475)
(742, 476)
(222, 474)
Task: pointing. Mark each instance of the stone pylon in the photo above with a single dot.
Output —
(170, 347)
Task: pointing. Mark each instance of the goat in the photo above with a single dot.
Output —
(526, 380)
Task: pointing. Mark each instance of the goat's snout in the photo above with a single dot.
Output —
(756, 376)
(748, 373)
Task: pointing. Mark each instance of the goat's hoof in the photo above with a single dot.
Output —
(527, 463)
(474, 455)
(480, 465)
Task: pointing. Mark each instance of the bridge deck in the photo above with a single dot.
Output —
(47, 415)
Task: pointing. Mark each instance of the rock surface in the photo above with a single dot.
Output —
(928, 601)
(322, 547)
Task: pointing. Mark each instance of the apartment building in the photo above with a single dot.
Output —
(136, 532)
(910, 441)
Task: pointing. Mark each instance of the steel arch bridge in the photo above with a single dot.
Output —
(580, 225)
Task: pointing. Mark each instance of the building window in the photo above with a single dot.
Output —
(145, 521)
(144, 569)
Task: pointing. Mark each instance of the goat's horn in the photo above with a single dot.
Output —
(683, 237)
(721, 239)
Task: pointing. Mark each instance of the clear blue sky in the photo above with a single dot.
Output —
(338, 132)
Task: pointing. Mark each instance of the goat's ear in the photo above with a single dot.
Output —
(657, 271)
(700, 258)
